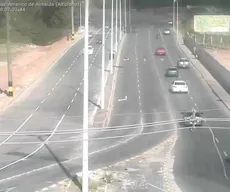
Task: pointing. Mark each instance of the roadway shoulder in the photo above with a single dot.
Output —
(217, 89)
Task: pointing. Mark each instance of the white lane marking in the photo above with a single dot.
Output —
(72, 101)
(43, 101)
(53, 186)
(69, 67)
(60, 79)
(191, 97)
(63, 75)
(154, 186)
(8, 138)
(225, 154)
(66, 72)
(57, 83)
(68, 107)
(124, 99)
(221, 159)
(216, 140)
(36, 150)
(45, 189)
(37, 108)
(53, 88)
(49, 94)
(75, 94)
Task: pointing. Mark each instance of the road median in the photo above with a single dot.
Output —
(102, 116)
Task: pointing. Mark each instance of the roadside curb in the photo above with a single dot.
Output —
(212, 83)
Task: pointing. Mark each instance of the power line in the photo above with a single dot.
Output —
(115, 114)
(115, 137)
(103, 129)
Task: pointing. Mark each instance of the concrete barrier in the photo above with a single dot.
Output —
(221, 74)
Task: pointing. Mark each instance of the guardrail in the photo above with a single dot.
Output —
(220, 73)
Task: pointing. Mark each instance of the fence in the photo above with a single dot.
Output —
(220, 73)
(212, 41)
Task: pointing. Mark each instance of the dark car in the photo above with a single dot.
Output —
(160, 51)
(172, 72)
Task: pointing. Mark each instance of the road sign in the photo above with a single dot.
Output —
(212, 23)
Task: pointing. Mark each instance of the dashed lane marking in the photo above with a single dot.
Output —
(225, 154)
(216, 140)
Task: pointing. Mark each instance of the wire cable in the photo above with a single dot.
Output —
(115, 137)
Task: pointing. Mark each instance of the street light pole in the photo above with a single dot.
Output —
(177, 20)
(120, 20)
(174, 14)
(125, 15)
(111, 48)
(85, 157)
(10, 77)
(103, 60)
(72, 18)
(80, 13)
(116, 26)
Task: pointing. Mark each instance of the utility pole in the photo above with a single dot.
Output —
(120, 34)
(80, 13)
(111, 48)
(130, 14)
(177, 20)
(9, 60)
(85, 151)
(125, 14)
(116, 27)
(174, 14)
(72, 19)
(103, 60)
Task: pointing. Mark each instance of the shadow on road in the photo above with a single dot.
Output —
(74, 178)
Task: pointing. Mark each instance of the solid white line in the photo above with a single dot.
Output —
(35, 151)
(221, 159)
(8, 138)
(154, 186)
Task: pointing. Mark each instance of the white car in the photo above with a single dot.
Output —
(166, 31)
(179, 86)
(81, 29)
(90, 50)
(90, 35)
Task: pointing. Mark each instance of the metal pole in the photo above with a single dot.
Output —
(125, 15)
(130, 14)
(111, 48)
(72, 19)
(85, 159)
(173, 14)
(80, 13)
(120, 21)
(10, 77)
(177, 20)
(103, 60)
(116, 26)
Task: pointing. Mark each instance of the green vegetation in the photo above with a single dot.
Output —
(38, 25)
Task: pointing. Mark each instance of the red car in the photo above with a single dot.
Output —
(160, 51)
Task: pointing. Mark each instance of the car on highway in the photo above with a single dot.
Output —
(170, 22)
(179, 86)
(90, 35)
(172, 72)
(160, 51)
(81, 29)
(90, 50)
(183, 63)
(190, 118)
(166, 32)
(99, 41)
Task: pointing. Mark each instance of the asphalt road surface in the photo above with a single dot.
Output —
(201, 156)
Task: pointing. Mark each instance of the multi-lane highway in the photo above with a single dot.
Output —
(200, 156)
